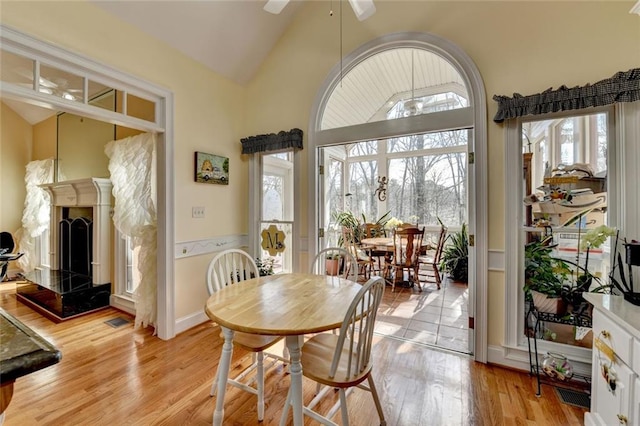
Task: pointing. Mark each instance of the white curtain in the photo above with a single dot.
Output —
(37, 210)
(131, 164)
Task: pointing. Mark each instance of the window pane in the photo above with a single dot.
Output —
(334, 200)
(393, 84)
(361, 198)
(273, 197)
(61, 83)
(422, 189)
(362, 148)
(427, 104)
(565, 169)
(16, 69)
(428, 141)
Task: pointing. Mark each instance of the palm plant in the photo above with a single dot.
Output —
(349, 220)
(455, 255)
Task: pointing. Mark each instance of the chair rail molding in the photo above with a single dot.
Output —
(209, 245)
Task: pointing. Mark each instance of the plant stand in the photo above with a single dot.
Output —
(533, 318)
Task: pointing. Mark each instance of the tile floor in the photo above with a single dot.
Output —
(432, 317)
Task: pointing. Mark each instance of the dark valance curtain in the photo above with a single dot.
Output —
(622, 87)
(272, 142)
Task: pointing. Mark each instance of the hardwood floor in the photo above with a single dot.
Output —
(120, 376)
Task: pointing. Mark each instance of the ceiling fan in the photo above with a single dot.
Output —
(362, 8)
(55, 85)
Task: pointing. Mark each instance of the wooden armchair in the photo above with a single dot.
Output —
(375, 230)
(406, 251)
(429, 269)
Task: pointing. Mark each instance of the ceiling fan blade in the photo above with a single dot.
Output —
(363, 8)
(275, 6)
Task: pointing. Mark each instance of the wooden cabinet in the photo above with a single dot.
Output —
(616, 355)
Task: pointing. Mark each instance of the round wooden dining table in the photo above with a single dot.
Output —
(289, 305)
(385, 244)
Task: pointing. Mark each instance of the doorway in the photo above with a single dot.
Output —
(420, 130)
(21, 52)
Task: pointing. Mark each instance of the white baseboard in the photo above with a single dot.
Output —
(123, 303)
(518, 359)
(512, 358)
(185, 323)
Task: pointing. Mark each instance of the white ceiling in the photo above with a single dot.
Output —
(232, 37)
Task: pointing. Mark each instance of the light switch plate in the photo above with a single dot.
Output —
(197, 212)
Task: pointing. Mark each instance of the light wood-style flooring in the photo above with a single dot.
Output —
(121, 376)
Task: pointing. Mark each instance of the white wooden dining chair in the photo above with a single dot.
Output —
(343, 361)
(335, 261)
(229, 267)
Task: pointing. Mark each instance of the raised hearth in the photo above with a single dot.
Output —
(79, 279)
(60, 295)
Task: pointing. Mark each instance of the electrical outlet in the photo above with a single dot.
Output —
(197, 212)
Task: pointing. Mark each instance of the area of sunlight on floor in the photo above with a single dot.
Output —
(432, 317)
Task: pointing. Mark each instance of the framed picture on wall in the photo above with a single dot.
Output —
(210, 168)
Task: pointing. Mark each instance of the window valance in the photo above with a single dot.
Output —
(622, 87)
(272, 142)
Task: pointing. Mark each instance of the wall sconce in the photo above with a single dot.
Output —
(381, 191)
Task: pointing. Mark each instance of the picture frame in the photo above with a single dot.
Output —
(211, 168)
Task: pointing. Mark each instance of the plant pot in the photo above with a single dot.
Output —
(332, 266)
(552, 305)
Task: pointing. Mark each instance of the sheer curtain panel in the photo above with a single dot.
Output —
(35, 216)
(131, 165)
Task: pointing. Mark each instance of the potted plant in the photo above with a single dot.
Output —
(265, 266)
(572, 292)
(544, 276)
(455, 255)
(332, 264)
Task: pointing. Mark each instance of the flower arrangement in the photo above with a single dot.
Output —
(393, 222)
(265, 266)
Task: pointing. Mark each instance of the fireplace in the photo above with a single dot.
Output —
(78, 280)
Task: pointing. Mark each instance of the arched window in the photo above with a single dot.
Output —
(407, 109)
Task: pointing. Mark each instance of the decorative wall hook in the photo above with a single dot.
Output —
(382, 188)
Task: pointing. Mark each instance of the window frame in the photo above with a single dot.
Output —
(514, 337)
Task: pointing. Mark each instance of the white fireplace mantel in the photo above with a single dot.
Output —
(90, 192)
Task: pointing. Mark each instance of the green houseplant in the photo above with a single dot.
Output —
(332, 263)
(349, 220)
(455, 255)
(544, 276)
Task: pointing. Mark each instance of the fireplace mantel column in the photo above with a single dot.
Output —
(91, 192)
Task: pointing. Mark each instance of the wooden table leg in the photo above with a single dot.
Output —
(293, 343)
(223, 374)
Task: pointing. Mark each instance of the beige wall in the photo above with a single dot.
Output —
(519, 46)
(208, 118)
(14, 156)
(81, 144)
(44, 139)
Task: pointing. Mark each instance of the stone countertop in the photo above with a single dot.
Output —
(22, 351)
(616, 308)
